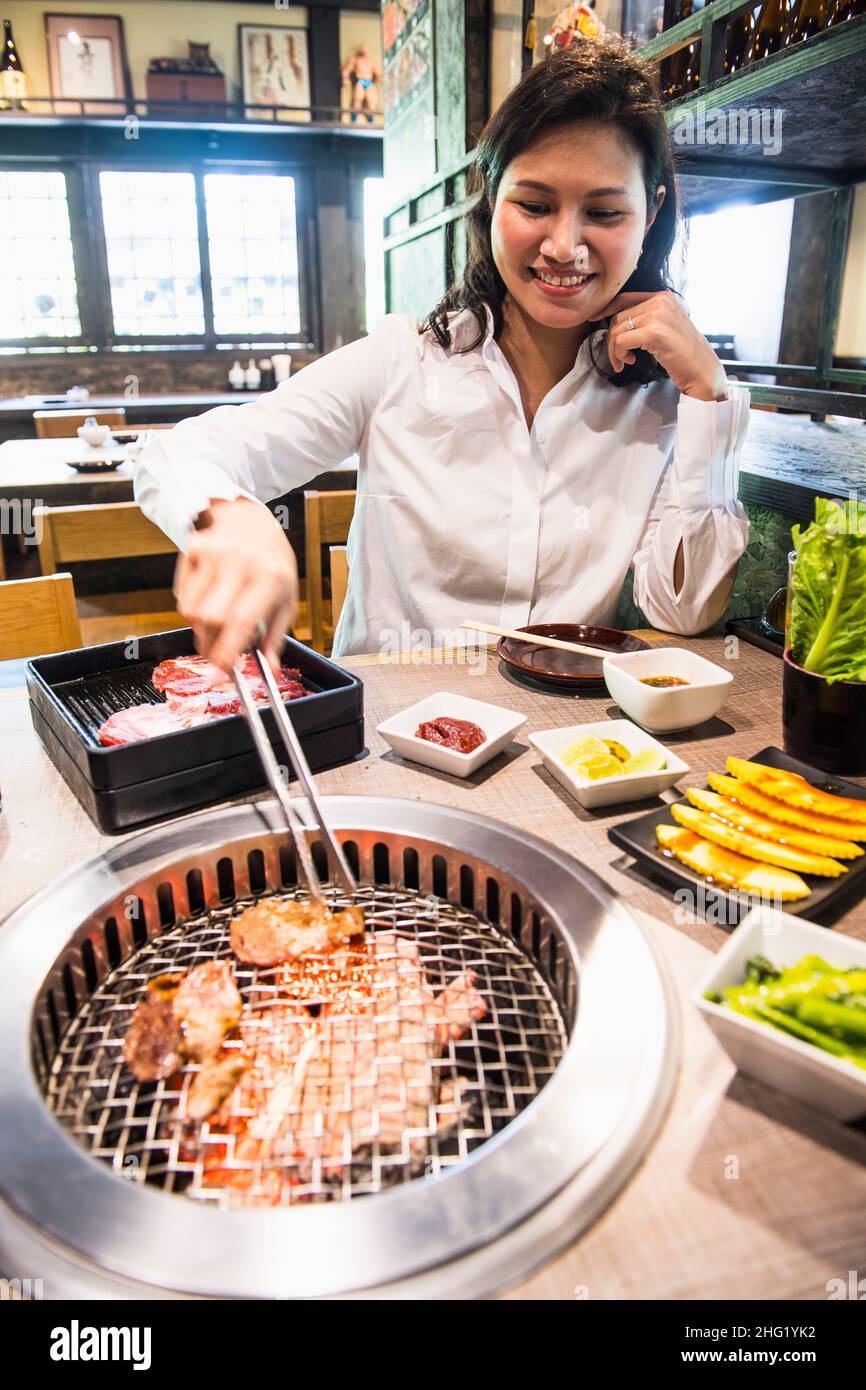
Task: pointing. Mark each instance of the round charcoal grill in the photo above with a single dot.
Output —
(528, 1121)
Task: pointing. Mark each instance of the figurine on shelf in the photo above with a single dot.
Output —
(572, 24)
(363, 74)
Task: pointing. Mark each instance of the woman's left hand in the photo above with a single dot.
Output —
(657, 322)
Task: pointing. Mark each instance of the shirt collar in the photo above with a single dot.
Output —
(464, 328)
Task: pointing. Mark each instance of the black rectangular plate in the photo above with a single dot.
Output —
(68, 689)
(829, 898)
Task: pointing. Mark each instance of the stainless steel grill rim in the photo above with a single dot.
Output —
(578, 1138)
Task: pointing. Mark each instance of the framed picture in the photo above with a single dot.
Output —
(87, 62)
(275, 69)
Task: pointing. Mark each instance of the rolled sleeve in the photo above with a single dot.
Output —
(696, 506)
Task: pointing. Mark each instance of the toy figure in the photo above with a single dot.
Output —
(363, 74)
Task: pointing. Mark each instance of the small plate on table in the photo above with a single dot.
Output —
(827, 900)
(566, 670)
(497, 724)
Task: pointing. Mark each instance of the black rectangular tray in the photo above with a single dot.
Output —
(829, 898)
(72, 693)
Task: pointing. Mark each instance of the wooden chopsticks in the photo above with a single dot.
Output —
(536, 640)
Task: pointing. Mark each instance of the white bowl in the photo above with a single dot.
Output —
(607, 791)
(678, 706)
(94, 435)
(500, 725)
(804, 1071)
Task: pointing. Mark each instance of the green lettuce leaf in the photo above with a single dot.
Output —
(828, 611)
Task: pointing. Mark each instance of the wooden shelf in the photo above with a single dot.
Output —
(819, 85)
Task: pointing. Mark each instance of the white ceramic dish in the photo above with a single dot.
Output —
(500, 725)
(804, 1071)
(607, 791)
(94, 435)
(678, 707)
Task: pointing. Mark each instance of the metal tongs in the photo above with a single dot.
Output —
(296, 824)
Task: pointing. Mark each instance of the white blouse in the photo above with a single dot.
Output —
(462, 510)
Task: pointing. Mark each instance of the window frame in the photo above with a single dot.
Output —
(90, 258)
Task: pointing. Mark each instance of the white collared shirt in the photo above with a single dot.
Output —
(463, 510)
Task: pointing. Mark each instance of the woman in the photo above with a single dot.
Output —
(515, 457)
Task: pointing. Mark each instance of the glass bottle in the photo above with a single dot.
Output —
(808, 17)
(13, 86)
(771, 31)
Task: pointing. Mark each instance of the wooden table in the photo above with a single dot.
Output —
(37, 471)
(746, 1193)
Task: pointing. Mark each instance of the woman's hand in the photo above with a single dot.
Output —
(661, 326)
(237, 572)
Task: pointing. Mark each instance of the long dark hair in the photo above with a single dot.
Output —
(597, 80)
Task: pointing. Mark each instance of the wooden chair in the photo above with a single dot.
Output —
(327, 518)
(63, 424)
(38, 616)
(111, 531)
(339, 581)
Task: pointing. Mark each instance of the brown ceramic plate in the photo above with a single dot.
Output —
(566, 668)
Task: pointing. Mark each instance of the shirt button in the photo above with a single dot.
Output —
(542, 438)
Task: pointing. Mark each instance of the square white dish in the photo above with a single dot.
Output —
(791, 1065)
(500, 725)
(660, 709)
(607, 791)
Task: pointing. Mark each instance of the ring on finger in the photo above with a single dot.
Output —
(629, 323)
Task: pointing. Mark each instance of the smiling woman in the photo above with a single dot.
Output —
(554, 421)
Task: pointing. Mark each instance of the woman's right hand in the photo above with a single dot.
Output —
(238, 571)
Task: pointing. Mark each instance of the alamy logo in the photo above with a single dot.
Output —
(712, 125)
(853, 1288)
(76, 1343)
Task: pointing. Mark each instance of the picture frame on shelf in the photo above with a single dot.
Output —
(275, 66)
(87, 63)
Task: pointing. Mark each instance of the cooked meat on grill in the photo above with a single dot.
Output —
(195, 676)
(364, 1070)
(153, 1046)
(208, 1005)
(185, 1017)
(147, 721)
(215, 1079)
(275, 930)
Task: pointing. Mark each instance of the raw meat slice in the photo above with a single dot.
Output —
(146, 721)
(189, 676)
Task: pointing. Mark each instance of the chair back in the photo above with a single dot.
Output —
(38, 616)
(327, 518)
(106, 531)
(339, 581)
(64, 424)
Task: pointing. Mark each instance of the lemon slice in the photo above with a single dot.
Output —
(596, 765)
(583, 747)
(618, 750)
(647, 760)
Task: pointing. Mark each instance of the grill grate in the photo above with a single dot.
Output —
(478, 1082)
(92, 699)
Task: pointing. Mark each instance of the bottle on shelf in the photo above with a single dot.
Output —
(845, 9)
(13, 85)
(807, 17)
(771, 31)
(681, 72)
(252, 376)
(738, 39)
(237, 377)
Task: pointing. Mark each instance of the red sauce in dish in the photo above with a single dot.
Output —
(458, 734)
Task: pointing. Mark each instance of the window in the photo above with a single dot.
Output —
(253, 247)
(151, 241)
(38, 297)
(750, 243)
